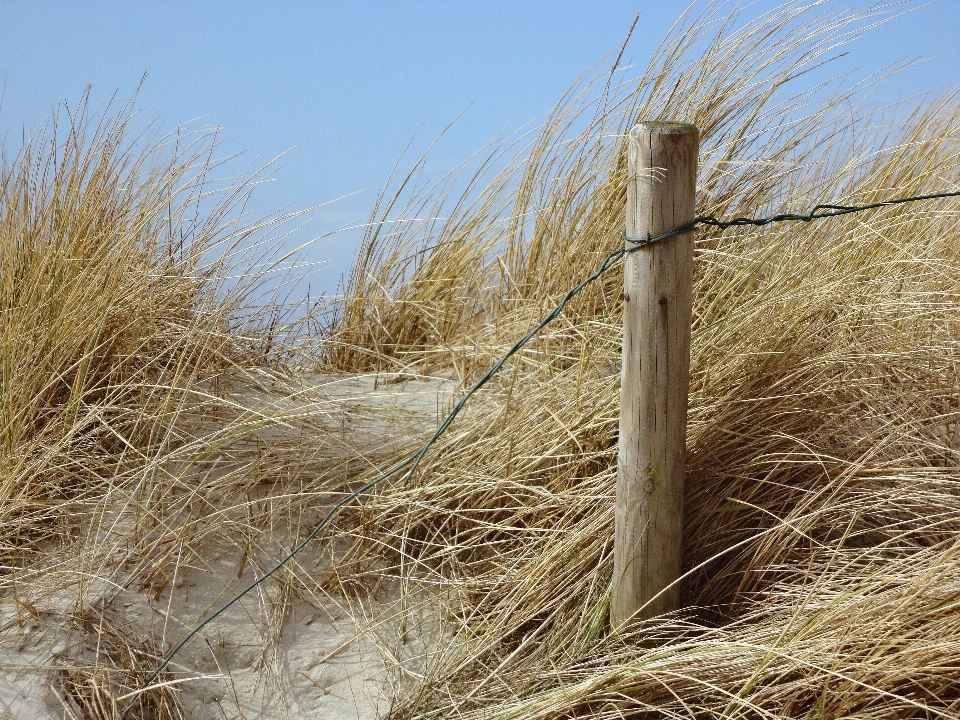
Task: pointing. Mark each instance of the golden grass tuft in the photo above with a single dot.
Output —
(113, 310)
(145, 411)
(110, 679)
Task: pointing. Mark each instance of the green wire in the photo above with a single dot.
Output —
(815, 214)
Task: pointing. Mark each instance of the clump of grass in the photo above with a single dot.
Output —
(145, 409)
(822, 505)
(102, 674)
(111, 309)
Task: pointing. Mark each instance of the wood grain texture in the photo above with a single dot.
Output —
(658, 279)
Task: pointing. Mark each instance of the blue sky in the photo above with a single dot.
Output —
(347, 84)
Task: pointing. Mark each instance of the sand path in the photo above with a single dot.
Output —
(322, 656)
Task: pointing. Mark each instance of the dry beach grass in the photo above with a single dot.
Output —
(157, 416)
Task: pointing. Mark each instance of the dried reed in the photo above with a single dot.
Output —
(822, 503)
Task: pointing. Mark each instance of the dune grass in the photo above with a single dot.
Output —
(822, 504)
(823, 484)
(139, 319)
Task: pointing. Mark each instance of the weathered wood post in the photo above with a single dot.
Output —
(658, 297)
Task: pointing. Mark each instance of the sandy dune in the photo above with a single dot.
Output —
(328, 655)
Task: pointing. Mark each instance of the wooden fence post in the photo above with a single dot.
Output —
(658, 297)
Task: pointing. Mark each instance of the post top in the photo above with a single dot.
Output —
(672, 128)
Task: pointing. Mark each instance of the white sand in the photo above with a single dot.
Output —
(327, 657)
